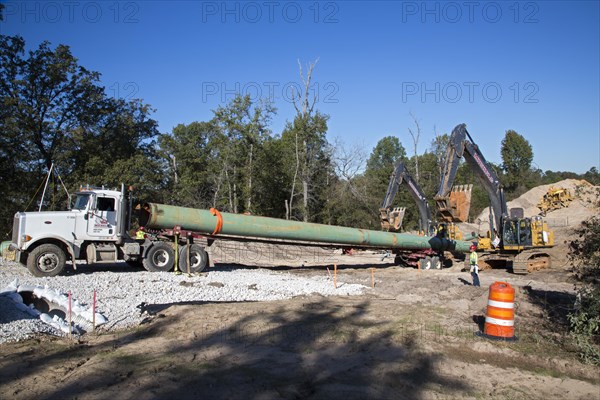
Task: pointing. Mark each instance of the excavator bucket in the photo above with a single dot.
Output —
(391, 219)
(455, 207)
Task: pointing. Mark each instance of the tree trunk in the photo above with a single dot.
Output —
(249, 199)
(287, 209)
(235, 198)
(175, 177)
(305, 195)
(292, 193)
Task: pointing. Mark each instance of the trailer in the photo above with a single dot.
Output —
(97, 225)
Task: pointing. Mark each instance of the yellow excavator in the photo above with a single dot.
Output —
(513, 239)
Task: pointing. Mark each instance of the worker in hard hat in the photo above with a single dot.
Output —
(473, 259)
(140, 234)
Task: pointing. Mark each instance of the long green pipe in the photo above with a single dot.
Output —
(161, 216)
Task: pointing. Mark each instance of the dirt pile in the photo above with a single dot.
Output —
(586, 204)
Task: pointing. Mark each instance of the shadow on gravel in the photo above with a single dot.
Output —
(314, 351)
(323, 267)
(122, 267)
(84, 269)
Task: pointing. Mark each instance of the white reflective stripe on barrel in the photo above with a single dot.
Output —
(500, 304)
(501, 322)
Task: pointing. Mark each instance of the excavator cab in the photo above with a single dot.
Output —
(516, 233)
(456, 206)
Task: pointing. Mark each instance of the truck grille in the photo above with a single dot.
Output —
(16, 229)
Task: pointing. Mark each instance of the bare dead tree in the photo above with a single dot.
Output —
(349, 162)
(415, 138)
(304, 108)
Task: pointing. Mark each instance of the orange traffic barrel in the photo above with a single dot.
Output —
(500, 314)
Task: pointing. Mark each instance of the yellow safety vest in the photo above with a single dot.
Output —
(473, 258)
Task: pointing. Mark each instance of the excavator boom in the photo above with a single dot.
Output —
(454, 203)
(391, 218)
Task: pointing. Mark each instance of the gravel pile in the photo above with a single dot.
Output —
(121, 292)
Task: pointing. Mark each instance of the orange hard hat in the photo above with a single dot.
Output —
(141, 228)
(473, 247)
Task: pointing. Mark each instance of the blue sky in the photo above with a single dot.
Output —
(533, 67)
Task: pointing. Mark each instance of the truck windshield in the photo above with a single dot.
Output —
(81, 201)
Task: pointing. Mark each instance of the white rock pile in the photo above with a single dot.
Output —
(121, 292)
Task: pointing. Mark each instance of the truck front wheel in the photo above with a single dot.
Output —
(159, 258)
(46, 260)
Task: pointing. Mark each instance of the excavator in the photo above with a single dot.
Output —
(391, 217)
(513, 239)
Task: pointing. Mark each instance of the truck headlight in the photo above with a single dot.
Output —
(25, 238)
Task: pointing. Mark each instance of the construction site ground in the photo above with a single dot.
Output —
(410, 335)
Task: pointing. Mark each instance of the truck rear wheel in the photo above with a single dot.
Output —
(160, 258)
(46, 260)
(198, 258)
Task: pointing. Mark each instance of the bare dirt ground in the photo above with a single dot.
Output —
(411, 336)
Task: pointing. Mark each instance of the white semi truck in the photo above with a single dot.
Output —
(95, 229)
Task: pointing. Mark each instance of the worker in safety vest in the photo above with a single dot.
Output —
(442, 231)
(474, 266)
(140, 234)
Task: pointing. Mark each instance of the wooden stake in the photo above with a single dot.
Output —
(372, 277)
(94, 312)
(70, 318)
(335, 275)
(176, 269)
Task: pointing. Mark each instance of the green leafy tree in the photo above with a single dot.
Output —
(122, 132)
(384, 156)
(585, 321)
(193, 176)
(48, 96)
(380, 165)
(54, 112)
(243, 129)
(592, 176)
(308, 164)
(517, 156)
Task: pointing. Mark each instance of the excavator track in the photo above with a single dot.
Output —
(530, 261)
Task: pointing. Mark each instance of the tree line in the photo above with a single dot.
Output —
(55, 113)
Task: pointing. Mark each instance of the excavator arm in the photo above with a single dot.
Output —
(454, 203)
(391, 218)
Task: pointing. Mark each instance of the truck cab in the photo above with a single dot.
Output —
(96, 221)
